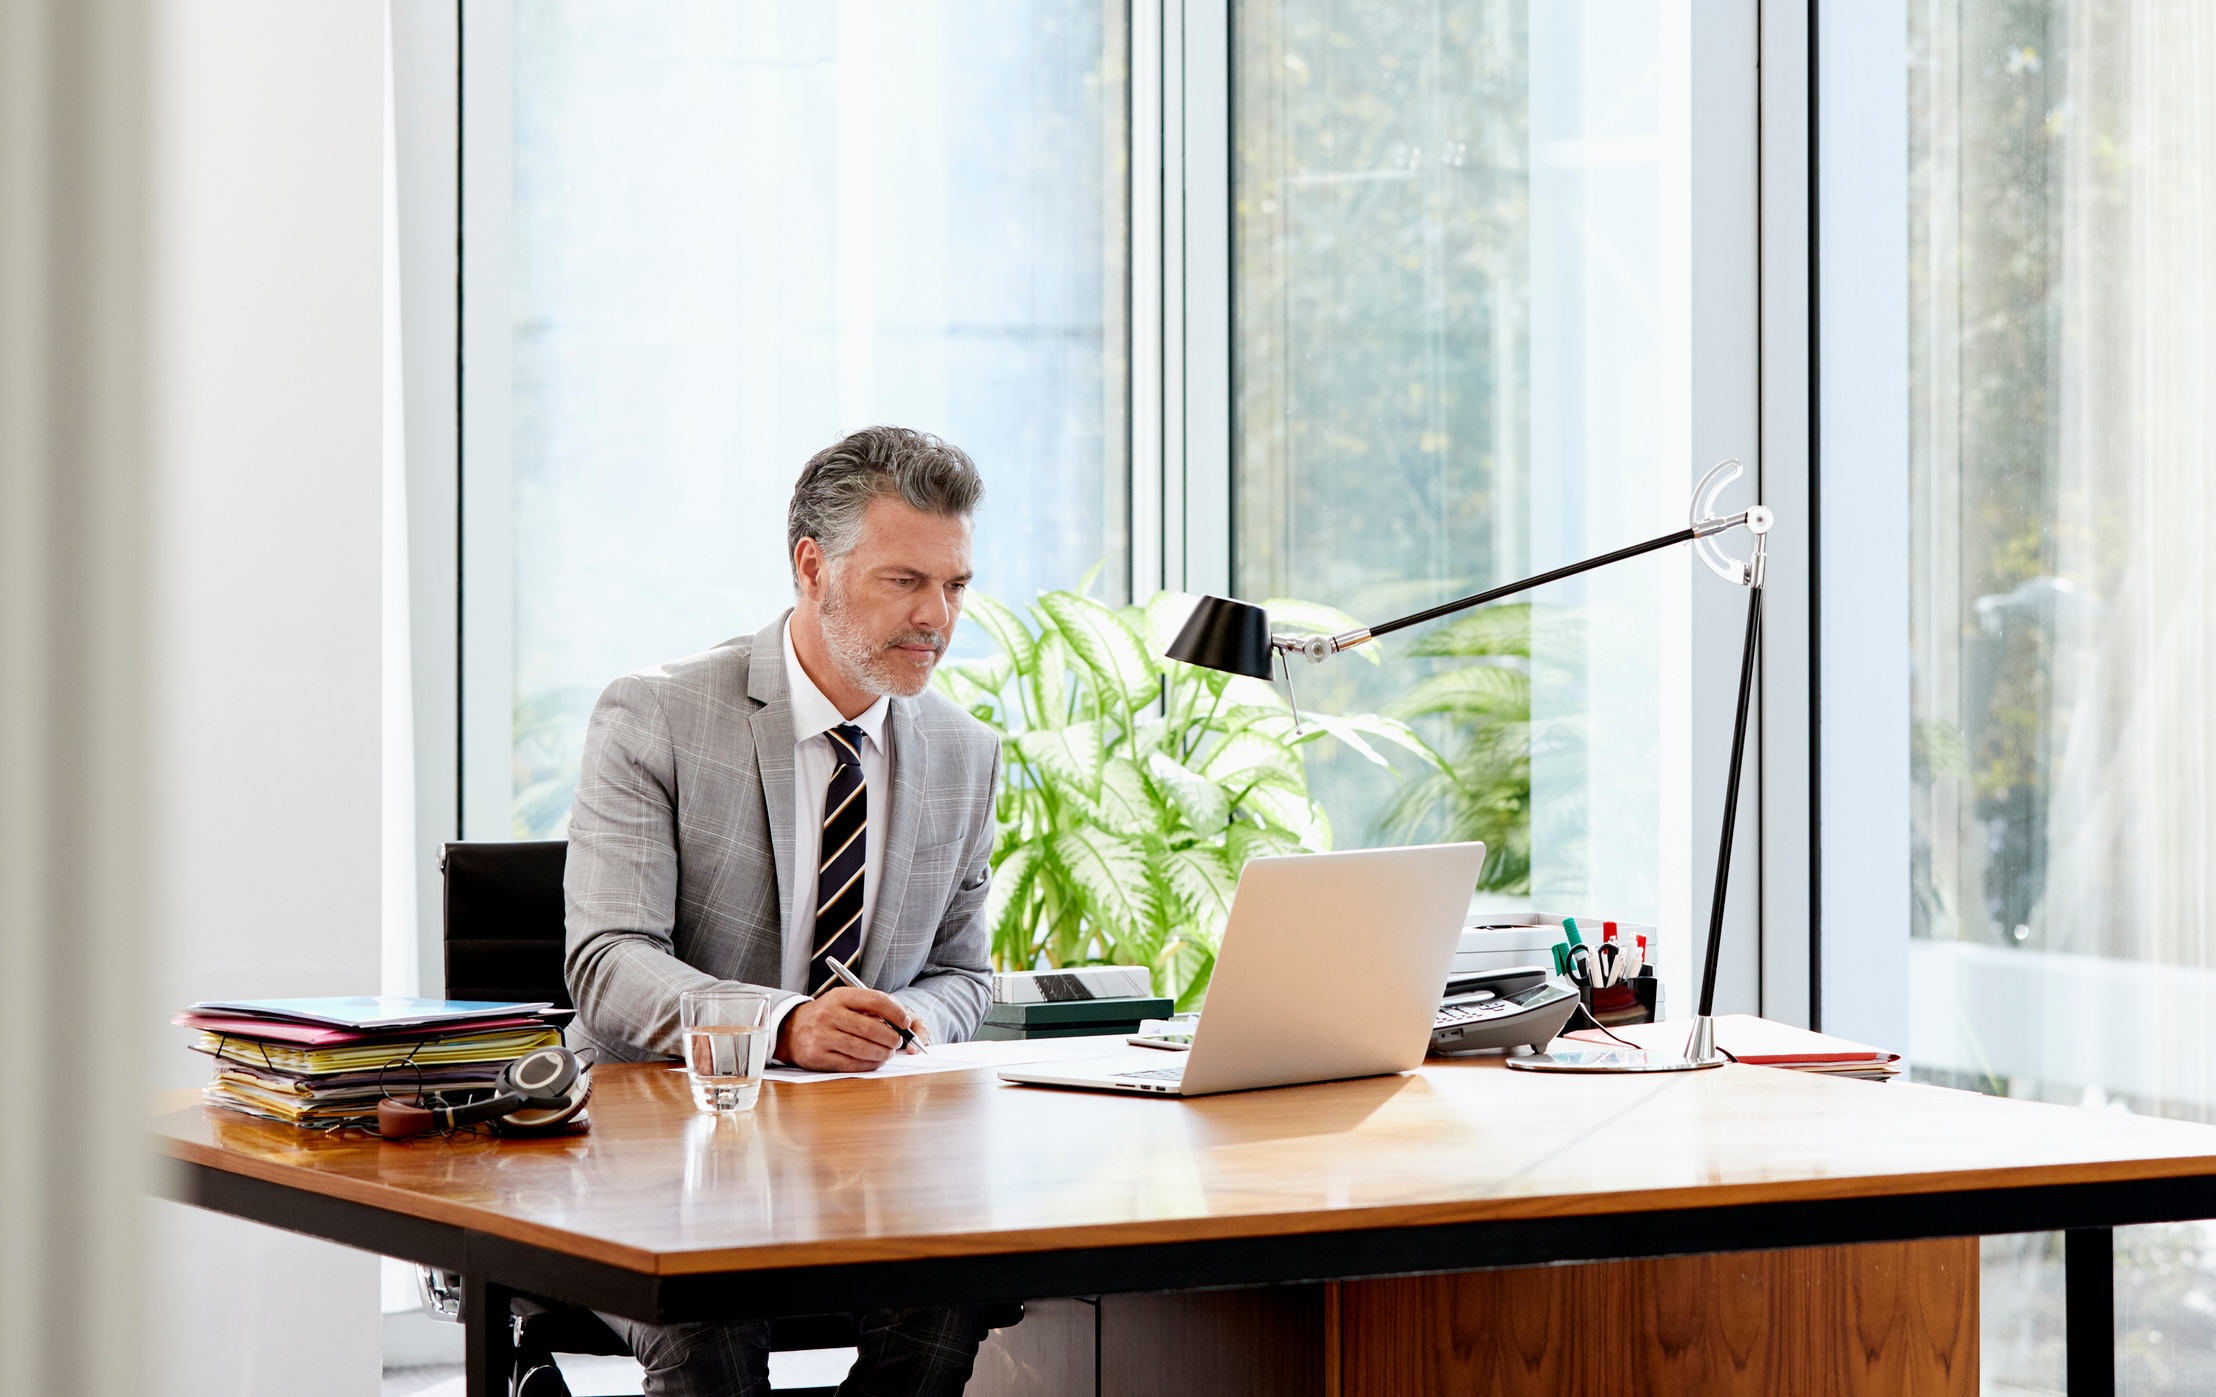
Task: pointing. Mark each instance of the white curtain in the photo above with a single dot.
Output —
(73, 720)
(2132, 816)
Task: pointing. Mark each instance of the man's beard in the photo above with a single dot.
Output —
(873, 667)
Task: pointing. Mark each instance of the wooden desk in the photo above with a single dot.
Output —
(936, 1189)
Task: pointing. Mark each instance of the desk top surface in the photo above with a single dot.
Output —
(959, 1164)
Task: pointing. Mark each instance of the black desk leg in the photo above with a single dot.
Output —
(2089, 1307)
(488, 1336)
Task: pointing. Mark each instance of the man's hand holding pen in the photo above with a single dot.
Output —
(847, 1030)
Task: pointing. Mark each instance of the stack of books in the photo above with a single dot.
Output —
(327, 1062)
(1083, 1001)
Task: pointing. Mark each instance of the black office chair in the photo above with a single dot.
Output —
(504, 931)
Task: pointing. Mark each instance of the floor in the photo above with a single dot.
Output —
(423, 1357)
(619, 1377)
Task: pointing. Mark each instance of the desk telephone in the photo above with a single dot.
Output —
(1501, 1009)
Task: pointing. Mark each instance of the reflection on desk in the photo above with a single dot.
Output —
(955, 1163)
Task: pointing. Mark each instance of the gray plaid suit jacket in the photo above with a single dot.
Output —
(681, 850)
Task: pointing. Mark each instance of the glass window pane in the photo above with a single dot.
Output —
(2063, 285)
(1449, 372)
(743, 230)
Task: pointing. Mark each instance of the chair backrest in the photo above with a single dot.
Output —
(505, 920)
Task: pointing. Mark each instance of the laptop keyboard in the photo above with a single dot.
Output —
(1155, 1074)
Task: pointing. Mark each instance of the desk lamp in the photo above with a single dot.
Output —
(1234, 637)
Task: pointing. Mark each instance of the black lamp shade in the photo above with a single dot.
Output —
(1233, 636)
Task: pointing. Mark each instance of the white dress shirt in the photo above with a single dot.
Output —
(814, 716)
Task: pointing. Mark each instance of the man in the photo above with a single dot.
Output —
(799, 794)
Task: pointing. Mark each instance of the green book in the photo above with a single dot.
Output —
(1078, 1011)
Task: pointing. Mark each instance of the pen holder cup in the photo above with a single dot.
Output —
(1631, 1001)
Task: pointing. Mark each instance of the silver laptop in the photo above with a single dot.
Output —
(1331, 966)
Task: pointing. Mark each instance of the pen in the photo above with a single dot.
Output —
(855, 980)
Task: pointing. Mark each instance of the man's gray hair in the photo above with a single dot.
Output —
(838, 483)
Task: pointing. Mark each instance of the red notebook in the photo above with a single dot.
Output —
(1760, 1042)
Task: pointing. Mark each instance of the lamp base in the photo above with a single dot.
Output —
(1700, 1052)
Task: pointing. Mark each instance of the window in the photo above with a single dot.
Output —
(732, 233)
(1463, 254)
(1441, 254)
(1382, 360)
(2063, 282)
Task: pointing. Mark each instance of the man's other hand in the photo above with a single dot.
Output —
(845, 1030)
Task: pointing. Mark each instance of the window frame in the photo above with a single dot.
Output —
(1740, 97)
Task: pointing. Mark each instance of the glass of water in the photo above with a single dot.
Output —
(726, 1045)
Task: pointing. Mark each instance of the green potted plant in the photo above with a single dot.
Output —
(1481, 788)
(1133, 787)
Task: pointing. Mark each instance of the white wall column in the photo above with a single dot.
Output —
(267, 347)
(73, 699)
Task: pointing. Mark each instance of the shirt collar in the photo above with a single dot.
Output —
(813, 714)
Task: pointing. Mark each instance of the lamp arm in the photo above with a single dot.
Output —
(1700, 1048)
(1319, 648)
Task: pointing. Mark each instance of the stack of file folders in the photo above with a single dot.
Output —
(327, 1062)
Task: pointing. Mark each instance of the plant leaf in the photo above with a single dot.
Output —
(1276, 724)
(1104, 644)
(1166, 614)
(1125, 805)
(1324, 723)
(1071, 755)
(1245, 841)
(1352, 728)
(1194, 967)
(1201, 880)
(1246, 691)
(1293, 812)
(1200, 800)
(1004, 626)
(1247, 757)
(971, 682)
(1476, 691)
(1108, 872)
(1049, 677)
(1005, 905)
(1501, 629)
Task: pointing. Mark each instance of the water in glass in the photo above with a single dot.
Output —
(725, 1063)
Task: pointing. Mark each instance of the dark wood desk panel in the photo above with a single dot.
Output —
(1887, 1319)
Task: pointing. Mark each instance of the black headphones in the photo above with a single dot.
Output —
(540, 1093)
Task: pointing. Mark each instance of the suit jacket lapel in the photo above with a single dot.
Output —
(908, 759)
(773, 753)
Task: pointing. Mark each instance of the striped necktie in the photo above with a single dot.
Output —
(843, 848)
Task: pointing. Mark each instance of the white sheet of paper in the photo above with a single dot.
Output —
(962, 1057)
